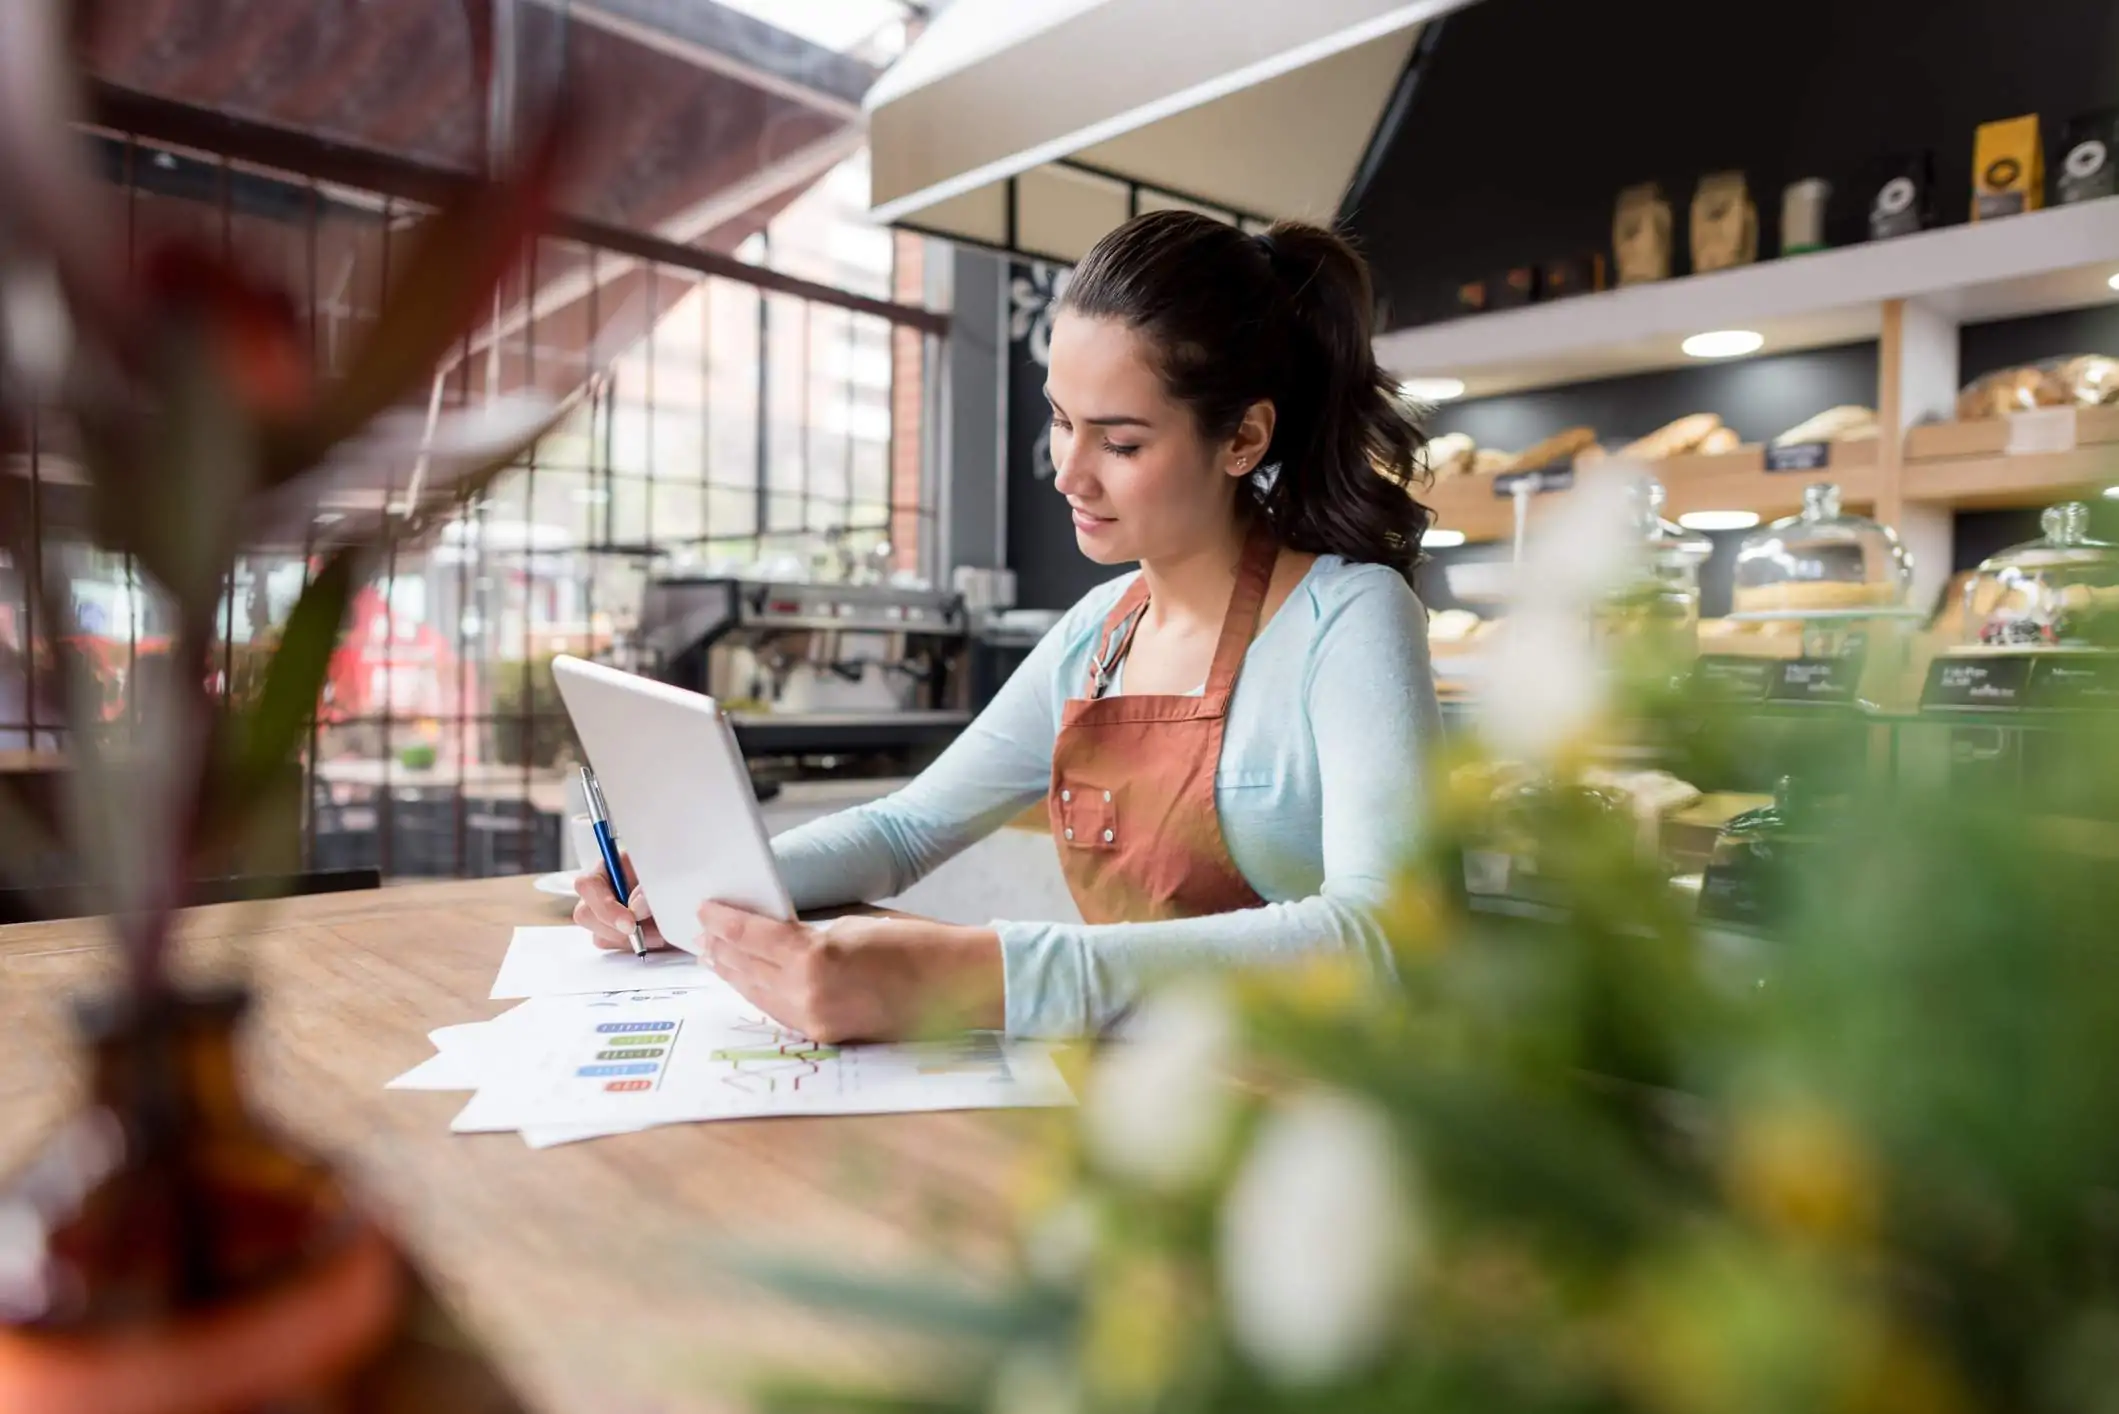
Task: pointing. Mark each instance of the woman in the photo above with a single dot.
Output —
(1229, 742)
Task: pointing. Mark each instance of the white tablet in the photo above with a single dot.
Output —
(680, 798)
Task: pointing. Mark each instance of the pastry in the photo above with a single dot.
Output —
(2089, 381)
(1452, 626)
(1801, 596)
(1554, 450)
(1720, 442)
(2009, 390)
(1673, 439)
(1849, 423)
(1450, 454)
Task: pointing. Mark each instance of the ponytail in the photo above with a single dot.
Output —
(1285, 317)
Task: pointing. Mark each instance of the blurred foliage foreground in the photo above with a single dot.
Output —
(1596, 1156)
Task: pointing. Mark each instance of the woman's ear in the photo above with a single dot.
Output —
(1247, 449)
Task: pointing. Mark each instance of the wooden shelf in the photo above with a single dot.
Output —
(1998, 482)
(2058, 258)
(1468, 503)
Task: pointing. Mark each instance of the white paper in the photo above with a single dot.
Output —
(2041, 430)
(565, 961)
(668, 1056)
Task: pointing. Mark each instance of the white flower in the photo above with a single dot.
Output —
(1035, 1380)
(1059, 1245)
(1543, 685)
(1157, 1109)
(1315, 1236)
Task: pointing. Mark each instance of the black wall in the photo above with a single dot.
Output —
(1533, 114)
(1051, 572)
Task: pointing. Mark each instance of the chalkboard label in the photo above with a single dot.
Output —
(1551, 478)
(1734, 679)
(1799, 456)
(1832, 681)
(2077, 683)
(1987, 683)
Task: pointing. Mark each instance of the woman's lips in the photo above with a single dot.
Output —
(1090, 524)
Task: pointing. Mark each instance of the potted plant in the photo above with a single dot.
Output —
(185, 1256)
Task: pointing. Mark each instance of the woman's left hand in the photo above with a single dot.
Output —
(858, 978)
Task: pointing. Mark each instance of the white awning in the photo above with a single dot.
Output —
(1037, 125)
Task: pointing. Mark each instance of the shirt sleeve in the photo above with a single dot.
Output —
(1369, 698)
(1000, 765)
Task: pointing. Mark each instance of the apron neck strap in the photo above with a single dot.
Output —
(1254, 574)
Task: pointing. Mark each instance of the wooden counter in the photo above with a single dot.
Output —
(591, 1270)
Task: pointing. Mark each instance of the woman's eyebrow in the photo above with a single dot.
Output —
(1118, 419)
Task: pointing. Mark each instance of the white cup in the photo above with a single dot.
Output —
(581, 833)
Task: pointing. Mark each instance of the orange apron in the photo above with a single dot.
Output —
(1132, 795)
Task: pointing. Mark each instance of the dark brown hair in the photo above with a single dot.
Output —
(1286, 317)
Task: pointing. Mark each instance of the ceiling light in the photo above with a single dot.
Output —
(1432, 390)
(1718, 520)
(1724, 343)
(1439, 539)
(2113, 282)
(2111, 493)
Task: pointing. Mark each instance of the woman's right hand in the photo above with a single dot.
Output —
(610, 922)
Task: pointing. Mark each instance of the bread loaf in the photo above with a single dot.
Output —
(1450, 454)
(1673, 439)
(1848, 423)
(1558, 448)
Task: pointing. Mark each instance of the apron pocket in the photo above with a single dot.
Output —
(1088, 817)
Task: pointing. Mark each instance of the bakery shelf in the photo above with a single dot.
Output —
(1468, 503)
(2059, 258)
(2032, 479)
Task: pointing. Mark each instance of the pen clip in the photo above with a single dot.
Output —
(599, 813)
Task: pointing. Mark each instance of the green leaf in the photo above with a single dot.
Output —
(933, 1303)
(261, 741)
(803, 1396)
(461, 254)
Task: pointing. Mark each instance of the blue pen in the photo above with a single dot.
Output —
(607, 843)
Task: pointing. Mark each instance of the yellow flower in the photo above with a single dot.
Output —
(1413, 917)
(1797, 1169)
(1137, 1320)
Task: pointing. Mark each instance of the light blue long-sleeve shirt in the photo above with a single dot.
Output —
(1318, 789)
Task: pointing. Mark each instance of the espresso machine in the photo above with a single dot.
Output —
(818, 679)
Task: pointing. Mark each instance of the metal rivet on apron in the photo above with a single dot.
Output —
(1107, 837)
(1070, 832)
(1107, 797)
(1067, 796)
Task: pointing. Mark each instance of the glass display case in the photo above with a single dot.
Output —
(2058, 592)
(1821, 561)
(1662, 596)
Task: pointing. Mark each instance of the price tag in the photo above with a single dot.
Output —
(2041, 430)
(1977, 682)
(2078, 683)
(1834, 681)
(1734, 679)
(1799, 456)
(1551, 478)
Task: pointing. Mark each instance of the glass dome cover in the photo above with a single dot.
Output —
(1665, 584)
(1821, 560)
(2058, 591)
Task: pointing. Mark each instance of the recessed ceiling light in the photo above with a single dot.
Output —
(2113, 282)
(1432, 390)
(1724, 343)
(1718, 520)
(1439, 539)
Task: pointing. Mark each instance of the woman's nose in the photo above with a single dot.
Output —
(1072, 478)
